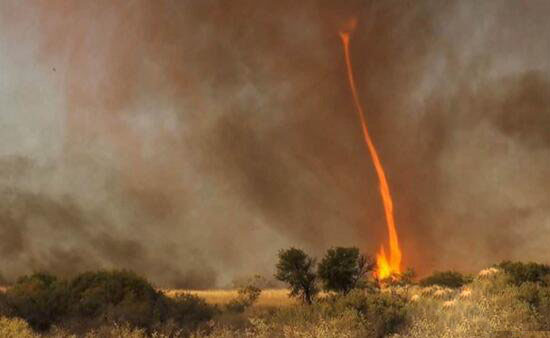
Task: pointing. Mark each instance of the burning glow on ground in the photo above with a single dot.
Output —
(386, 266)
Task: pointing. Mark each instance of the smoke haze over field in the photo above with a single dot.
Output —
(191, 140)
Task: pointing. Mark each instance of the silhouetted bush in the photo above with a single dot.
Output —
(526, 272)
(451, 279)
(343, 269)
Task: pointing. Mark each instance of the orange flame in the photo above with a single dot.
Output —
(386, 267)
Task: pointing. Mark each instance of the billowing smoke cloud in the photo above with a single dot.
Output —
(190, 140)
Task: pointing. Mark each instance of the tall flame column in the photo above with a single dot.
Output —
(385, 267)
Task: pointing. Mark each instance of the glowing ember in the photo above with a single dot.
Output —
(386, 266)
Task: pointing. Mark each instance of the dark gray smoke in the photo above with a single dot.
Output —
(190, 140)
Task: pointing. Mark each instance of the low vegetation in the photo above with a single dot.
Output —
(247, 296)
(95, 299)
(451, 279)
(511, 297)
(520, 273)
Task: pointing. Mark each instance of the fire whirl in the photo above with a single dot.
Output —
(386, 266)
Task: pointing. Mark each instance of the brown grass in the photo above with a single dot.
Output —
(269, 297)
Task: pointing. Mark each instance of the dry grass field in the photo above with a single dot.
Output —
(269, 297)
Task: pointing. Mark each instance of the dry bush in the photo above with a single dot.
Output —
(15, 328)
(356, 314)
(488, 272)
(493, 305)
(347, 324)
(115, 330)
(538, 297)
(247, 296)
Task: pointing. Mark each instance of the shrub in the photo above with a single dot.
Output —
(295, 268)
(124, 297)
(492, 307)
(304, 322)
(5, 308)
(384, 313)
(247, 296)
(117, 296)
(538, 297)
(451, 279)
(41, 299)
(407, 277)
(526, 272)
(99, 299)
(356, 314)
(116, 330)
(15, 328)
(189, 311)
(343, 269)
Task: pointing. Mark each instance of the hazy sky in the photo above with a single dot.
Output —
(191, 140)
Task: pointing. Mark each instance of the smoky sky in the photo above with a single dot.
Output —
(191, 140)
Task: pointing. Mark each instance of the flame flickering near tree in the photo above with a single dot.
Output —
(386, 266)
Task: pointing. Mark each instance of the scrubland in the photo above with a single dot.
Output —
(506, 301)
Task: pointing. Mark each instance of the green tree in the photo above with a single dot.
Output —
(343, 269)
(296, 269)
